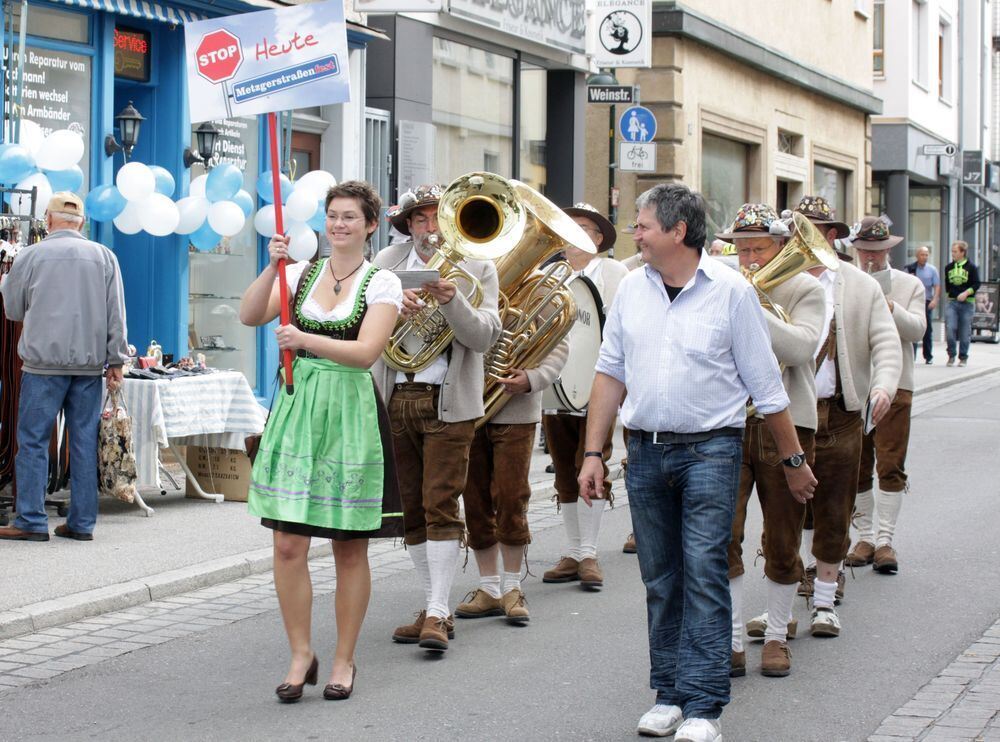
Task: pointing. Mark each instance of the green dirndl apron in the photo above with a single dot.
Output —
(321, 461)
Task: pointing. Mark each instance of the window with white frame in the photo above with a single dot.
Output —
(944, 59)
(918, 42)
(878, 38)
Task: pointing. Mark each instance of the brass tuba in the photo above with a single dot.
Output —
(536, 308)
(480, 217)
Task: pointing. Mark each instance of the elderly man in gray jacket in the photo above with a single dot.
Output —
(68, 292)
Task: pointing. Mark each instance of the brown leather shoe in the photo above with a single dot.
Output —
(410, 633)
(479, 604)
(629, 547)
(567, 570)
(63, 531)
(737, 664)
(806, 583)
(885, 561)
(863, 553)
(434, 634)
(515, 607)
(292, 692)
(776, 659)
(591, 576)
(16, 534)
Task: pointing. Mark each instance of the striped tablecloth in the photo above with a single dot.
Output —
(212, 410)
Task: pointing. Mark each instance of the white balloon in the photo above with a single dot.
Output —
(226, 218)
(136, 181)
(20, 203)
(318, 182)
(31, 136)
(197, 187)
(192, 211)
(129, 222)
(302, 204)
(60, 150)
(263, 221)
(302, 242)
(158, 215)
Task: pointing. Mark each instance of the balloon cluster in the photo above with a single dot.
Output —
(302, 208)
(48, 163)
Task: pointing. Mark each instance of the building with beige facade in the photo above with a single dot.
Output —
(767, 105)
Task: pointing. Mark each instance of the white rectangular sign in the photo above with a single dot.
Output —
(398, 6)
(621, 33)
(637, 157)
(416, 161)
(561, 23)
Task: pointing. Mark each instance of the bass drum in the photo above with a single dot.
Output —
(571, 391)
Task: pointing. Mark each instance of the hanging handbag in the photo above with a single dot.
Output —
(115, 452)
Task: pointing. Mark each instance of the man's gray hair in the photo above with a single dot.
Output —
(673, 203)
(65, 216)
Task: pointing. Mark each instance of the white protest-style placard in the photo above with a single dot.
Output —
(398, 6)
(637, 157)
(621, 33)
(271, 60)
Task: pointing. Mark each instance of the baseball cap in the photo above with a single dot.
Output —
(66, 202)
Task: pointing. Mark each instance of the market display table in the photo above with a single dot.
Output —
(217, 410)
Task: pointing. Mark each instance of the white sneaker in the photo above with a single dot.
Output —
(825, 622)
(757, 627)
(660, 721)
(699, 730)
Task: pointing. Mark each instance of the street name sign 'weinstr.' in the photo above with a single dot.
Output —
(271, 60)
(610, 94)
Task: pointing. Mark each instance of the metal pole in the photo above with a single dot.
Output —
(612, 209)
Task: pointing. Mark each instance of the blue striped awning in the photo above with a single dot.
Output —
(140, 9)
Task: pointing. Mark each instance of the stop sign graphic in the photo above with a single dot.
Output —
(218, 56)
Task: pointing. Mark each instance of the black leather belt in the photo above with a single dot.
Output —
(664, 438)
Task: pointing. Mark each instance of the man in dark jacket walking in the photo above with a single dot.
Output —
(961, 282)
(68, 292)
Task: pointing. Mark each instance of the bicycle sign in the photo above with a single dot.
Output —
(637, 157)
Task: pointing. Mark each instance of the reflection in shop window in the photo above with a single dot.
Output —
(724, 172)
(926, 213)
(533, 129)
(831, 184)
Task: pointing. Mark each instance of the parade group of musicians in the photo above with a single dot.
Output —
(801, 395)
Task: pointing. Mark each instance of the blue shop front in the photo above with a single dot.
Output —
(84, 62)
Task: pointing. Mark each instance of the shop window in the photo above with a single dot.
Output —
(725, 169)
(927, 214)
(831, 184)
(49, 23)
(473, 112)
(878, 38)
(533, 129)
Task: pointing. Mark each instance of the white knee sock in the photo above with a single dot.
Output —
(736, 596)
(779, 610)
(864, 516)
(807, 548)
(888, 513)
(590, 527)
(823, 594)
(442, 559)
(490, 584)
(418, 553)
(511, 581)
(572, 523)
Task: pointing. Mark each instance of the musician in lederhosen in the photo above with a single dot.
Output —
(759, 236)
(884, 449)
(565, 431)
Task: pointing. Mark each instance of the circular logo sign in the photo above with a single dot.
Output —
(620, 32)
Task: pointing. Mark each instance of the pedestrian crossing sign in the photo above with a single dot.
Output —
(637, 124)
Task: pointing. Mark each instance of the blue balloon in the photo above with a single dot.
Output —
(164, 180)
(104, 203)
(245, 201)
(16, 163)
(205, 238)
(223, 182)
(65, 180)
(265, 188)
(318, 221)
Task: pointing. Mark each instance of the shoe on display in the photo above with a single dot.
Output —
(660, 721)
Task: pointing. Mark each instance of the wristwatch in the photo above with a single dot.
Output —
(795, 460)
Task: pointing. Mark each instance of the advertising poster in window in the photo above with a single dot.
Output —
(987, 311)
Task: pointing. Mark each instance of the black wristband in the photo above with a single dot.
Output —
(593, 453)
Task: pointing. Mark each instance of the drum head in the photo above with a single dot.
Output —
(577, 377)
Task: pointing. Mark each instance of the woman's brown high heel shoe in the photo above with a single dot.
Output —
(337, 692)
(289, 693)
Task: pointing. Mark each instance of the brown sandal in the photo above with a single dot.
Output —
(337, 692)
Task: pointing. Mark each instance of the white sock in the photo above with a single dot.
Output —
(572, 523)
(418, 553)
(511, 581)
(442, 559)
(736, 596)
(864, 516)
(823, 594)
(590, 527)
(490, 584)
(807, 549)
(779, 610)
(889, 506)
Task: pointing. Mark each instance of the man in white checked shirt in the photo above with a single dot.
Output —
(687, 340)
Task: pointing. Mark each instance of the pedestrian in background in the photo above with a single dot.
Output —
(325, 465)
(961, 282)
(68, 292)
(931, 280)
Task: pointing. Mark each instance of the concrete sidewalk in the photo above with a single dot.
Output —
(189, 544)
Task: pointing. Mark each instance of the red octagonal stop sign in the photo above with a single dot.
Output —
(218, 56)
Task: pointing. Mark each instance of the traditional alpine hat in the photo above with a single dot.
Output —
(603, 223)
(425, 195)
(755, 220)
(818, 210)
(873, 234)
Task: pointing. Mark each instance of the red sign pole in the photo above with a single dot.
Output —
(272, 135)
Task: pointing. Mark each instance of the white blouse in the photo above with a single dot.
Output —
(384, 288)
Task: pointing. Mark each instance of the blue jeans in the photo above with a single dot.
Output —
(41, 399)
(682, 499)
(959, 323)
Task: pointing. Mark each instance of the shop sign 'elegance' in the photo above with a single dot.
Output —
(621, 33)
(556, 23)
(398, 6)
